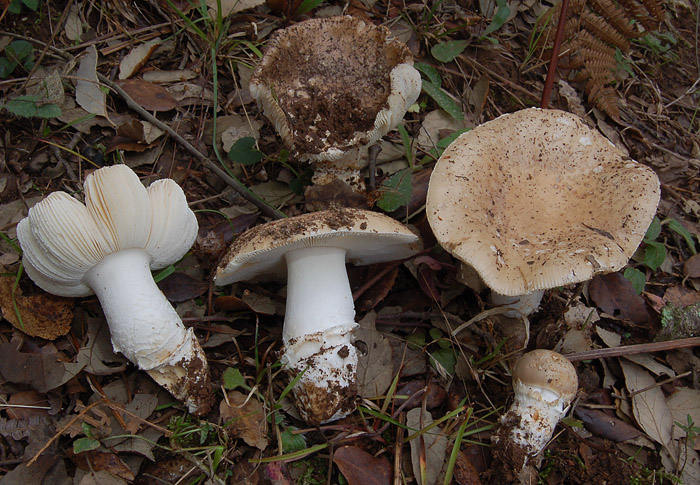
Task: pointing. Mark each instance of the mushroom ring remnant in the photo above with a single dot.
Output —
(109, 247)
(332, 87)
(536, 199)
(320, 315)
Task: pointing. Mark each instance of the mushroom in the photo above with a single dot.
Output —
(544, 383)
(109, 247)
(332, 87)
(536, 199)
(320, 315)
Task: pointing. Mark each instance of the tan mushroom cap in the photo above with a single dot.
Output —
(330, 85)
(548, 370)
(536, 199)
(369, 237)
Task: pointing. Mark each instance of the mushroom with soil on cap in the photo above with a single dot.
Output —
(108, 246)
(535, 199)
(332, 87)
(544, 383)
(320, 315)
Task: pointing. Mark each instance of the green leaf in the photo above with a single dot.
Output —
(292, 442)
(443, 100)
(85, 444)
(636, 277)
(232, 378)
(15, 7)
(406, 140)
(48, 111)
(678, 228)
(23, 106)
(396, 191)
(446, 358)
(654, 255)
(653, 231)
(429, 71)
(307, 6)
(244, 151)
(498, 19)
(447, 51)
(31, 4)
(435, 333)
(447, 141)
(20, 51)
(415, 340)
(6, 68)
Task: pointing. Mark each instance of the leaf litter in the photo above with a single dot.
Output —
(406, 314)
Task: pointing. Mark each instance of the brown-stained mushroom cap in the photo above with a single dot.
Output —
(369, 237)
(536, 199)
(330, 85)
(548, 370)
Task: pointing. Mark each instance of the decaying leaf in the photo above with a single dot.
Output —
(374, 366)
(245, 418)
(43, 315)
(136, 58)
(685, 401)
(433, 442)
(107, 461)
(42, 371)
(361, 468)
(606, 426)
(649, 407)
(97, 354)
(88, 93)
(179, 287)
(101, 477)
(615, 295)
(229, 7)
(682, 461)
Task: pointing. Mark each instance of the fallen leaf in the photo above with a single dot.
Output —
(158, 76)
(136, 58)
(682, 461)
(681, 296)
(464, 472)
(30, 404)
(386, 272)
(615, 295)
(649, 363)
(43, 315)
(149, 96)
(436, 394)
(361, 468)
(42, 371)
(246, 421)
(101, 478)
(691, 267)
(435, 444)
(606, 426)
(649, 407)
(97, 354)
(179, 287)
(374, 367)
(73, 27)
(685, 401)
(30, 474)
(88, 93)
(277, 474)
(229, 7)
(107, 461)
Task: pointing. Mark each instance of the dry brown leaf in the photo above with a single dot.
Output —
(435, 445)
(649, 407)
(43, 371)
(691, 268)
(245, 420)
(136, 58)
(33, 404)
(681, 296)
(682, 461)
(685, 401)
(87, 88)
(361, 468)
(179, 287)
(229, 7)
(465, 473)
(157, 76)
(606, 426)
(615, 295)
(43, 315)
(374, 366)
(101, 478)
(97, 354)
(151, 97)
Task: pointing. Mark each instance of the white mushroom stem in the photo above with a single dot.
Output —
(539, 410)
(522, 305)
(143, 324)
(318, 325)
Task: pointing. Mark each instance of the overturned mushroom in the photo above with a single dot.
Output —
(320, 315)
(332, 87)
(544, 383)
(536, 199)
(109, 246)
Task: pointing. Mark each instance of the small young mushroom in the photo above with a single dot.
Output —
(332, 87)
(544, 383)
(320, 315)
(536, 199)
(109, 247)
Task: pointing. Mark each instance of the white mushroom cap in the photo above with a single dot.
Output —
(551, 374)
(63, 239)
(330, 85)
(536, 199)
(369, 237)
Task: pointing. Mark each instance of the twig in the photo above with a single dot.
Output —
(59, 433)
(552, 69)
(634, 349)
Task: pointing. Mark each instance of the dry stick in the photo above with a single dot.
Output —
(551, 70)
(634, 349)
(55, 437)
(235, 184)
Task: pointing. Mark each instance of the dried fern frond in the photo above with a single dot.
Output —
(604, 98)
(616, 16)
(637, 11)
(604, 31)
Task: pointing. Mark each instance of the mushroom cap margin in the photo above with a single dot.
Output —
(548, 370)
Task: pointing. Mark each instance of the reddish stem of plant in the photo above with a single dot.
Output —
(552, 69)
